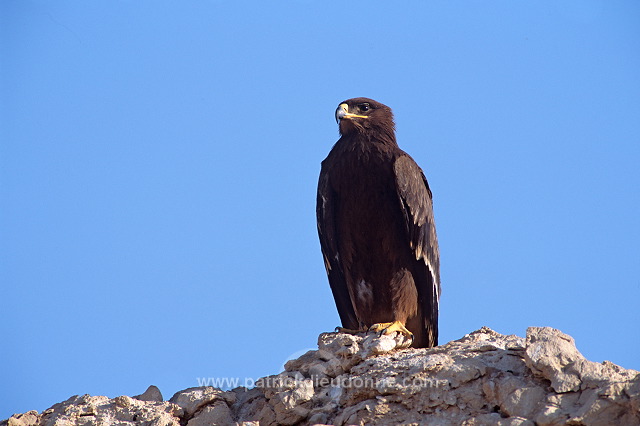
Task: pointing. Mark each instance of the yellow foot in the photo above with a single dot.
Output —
(391, 327)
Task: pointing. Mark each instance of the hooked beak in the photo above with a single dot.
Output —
(343, 112)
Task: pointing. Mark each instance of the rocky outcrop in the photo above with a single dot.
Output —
(485, 378)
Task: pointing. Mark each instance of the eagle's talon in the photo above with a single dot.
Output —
(410, 340)
(391, 327)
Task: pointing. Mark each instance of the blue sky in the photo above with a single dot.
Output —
(159, 162)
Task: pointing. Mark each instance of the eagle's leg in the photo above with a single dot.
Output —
(391, 327)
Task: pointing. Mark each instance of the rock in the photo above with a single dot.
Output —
(553, 355)
(27, 419)
(194, 399)
(151, 394)
(89, 410)
(484, 378)
(217, 413)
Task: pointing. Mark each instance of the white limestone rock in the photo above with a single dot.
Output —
(484, 378)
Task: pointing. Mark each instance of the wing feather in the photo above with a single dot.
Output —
(417, 205)
(325, 215)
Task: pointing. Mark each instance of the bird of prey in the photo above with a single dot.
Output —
(377, 230)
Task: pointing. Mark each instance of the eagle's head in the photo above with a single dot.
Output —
(364, 116)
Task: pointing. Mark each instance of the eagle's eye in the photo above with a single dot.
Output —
(364, 107)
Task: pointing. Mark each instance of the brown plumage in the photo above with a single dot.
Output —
(376, 228)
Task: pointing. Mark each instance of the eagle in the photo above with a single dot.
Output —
(377, 230)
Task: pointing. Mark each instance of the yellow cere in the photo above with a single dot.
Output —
(345, 108)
